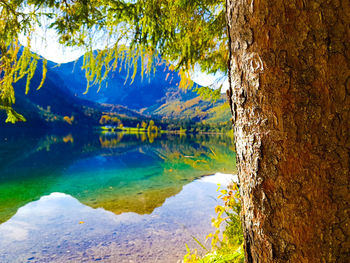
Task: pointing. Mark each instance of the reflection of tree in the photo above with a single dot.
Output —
(111, 142)
(206, 153)
(68, 138)
(160, 169)
(143, 137)
(49, 140)
(33, 172)
(152, 135)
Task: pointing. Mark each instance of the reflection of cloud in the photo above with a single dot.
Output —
(51, 213)
(220, 178)
(62, 237)
(16, 230)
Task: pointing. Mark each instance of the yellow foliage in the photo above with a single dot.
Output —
(69, 120)
(68, 138)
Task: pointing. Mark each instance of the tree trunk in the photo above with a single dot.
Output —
(290, 95)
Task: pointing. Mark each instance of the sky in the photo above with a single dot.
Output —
(45, 43)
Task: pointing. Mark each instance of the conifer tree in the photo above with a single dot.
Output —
(185, 33)
(289, 97)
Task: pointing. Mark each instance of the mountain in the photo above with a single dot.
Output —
(157, 95)
(195, 109)
(55, 105)
(137, 93)
(62, 102)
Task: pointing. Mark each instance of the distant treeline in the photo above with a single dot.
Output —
(183, 126)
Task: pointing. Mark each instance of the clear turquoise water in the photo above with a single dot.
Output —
(74, 197)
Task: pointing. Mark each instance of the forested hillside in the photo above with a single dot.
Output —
(64, 102)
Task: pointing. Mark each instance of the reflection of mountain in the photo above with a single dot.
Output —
(131, 175)
(59, 228)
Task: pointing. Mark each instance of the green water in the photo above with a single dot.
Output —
(46, 179)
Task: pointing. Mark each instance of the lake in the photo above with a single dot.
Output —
(85, 197)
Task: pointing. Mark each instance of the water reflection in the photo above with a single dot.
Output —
(117, 172)
(58, 228)
(115, 197)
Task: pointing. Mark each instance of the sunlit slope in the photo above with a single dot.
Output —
(48, 106)
(63, 100)
(157, 94)
(195, 109)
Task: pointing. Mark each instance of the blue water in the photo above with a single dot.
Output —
(74, 197)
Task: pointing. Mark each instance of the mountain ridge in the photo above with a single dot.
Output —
(157, 96)
(62, 100)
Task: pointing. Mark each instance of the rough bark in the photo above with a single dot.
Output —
(290, 97)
